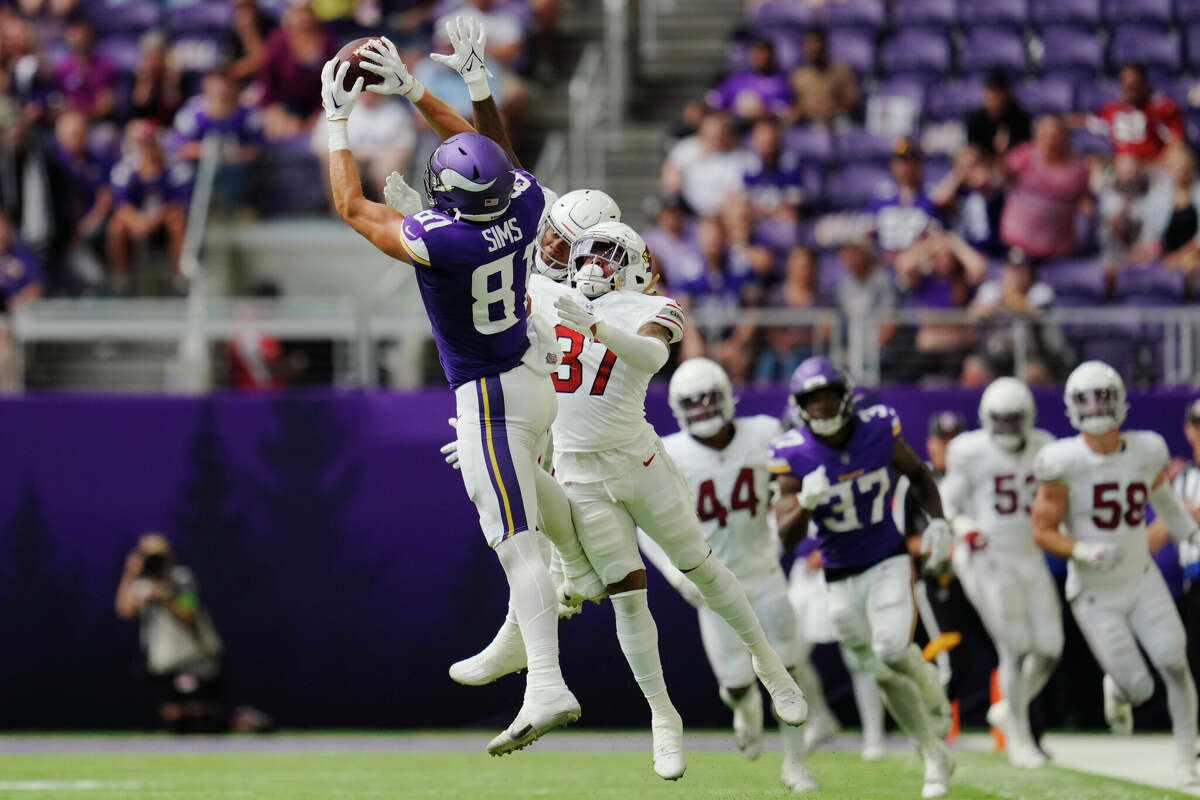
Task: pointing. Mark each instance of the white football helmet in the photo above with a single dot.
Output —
(701, 397)
(609, 256)
(1006, 412)
(1095, 398)
(568, 217)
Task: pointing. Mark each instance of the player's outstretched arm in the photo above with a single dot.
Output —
(1049, 511)
(379, 224)
(924, 487)
(646, 351)
(791, 517)
(469, 41)
(384, 60)
(1167, 507)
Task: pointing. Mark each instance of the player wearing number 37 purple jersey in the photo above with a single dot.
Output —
(472, 252)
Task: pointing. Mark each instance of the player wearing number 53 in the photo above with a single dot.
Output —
(472, 251)
(1097, 485)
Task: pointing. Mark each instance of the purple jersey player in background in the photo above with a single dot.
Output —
(472, 252)
(836, 473)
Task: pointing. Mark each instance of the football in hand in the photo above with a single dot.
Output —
(353, 53)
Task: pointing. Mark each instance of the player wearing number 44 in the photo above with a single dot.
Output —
(472, 251)
(1097, 485)
(837, 473)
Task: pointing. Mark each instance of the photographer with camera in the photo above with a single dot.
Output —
(183, 651)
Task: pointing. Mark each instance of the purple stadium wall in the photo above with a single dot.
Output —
(338, 555)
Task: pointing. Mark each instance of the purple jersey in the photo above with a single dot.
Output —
(898, 224)
(147, 193)
(855, 528)
(242, 126)
(18, 270)
(472, 280)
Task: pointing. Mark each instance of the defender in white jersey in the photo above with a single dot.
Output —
(1097, 485)
(987, 492)
(617, 475)
(724, 461)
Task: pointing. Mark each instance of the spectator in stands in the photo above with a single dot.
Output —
(149, 197)
(216, 112)
(1048, 186)
(21, 283)
(1173, 210)
(82, 200)
(244, 46)
(866, 291)
(773, 180)
(907, 214)
(824, 90)
(382, 138)
(674, 253)
(87, 81)
(24, 75)
(940, 273)
(972, 195)
(157, 89)
(258, 362)
(1000, 124)
(1141, 123)
(760, 90)
(1014, 295)
(1127, 233)
(746, 257)
(785, 346)
(976, 372)
(706, 169)
(291, 72)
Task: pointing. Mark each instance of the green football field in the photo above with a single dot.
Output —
(585, 775)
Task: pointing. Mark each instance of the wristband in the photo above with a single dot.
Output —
(339, 136)
(479, 89)
(417, 91)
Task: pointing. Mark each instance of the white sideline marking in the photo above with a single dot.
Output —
(58, 786)
(1148, 759)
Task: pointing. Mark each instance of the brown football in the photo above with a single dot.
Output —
(352, 52)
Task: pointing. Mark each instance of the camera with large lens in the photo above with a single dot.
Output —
(154, 566)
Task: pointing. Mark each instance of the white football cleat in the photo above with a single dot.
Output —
(997, 717)
(1118, 712)
(818, 729)
(747, 721)
(874, 750)
(1024, 755)
(790, 706)
(795, 775)
(504, 655)
(939, 765)
(535, 719)
(666, 730)
(1186, 775)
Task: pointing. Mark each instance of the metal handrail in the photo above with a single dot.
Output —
(586, 94)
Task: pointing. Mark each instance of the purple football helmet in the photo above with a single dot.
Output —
(470, 177)
(812, 375)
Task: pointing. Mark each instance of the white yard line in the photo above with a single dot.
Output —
(68, 786)
(1145, 758)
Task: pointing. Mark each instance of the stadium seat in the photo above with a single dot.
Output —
(113, 16)
(953, 100)
(1068, 47)
(857, 145)
(987, 48)
(1075, 282)
(940, 13)
(933, 169)
(198, 51)
(1191, 36)
(1145, 11)
(858, 14)
(775, 13)
(811, 143)
(854, 48)
(852, 186)
(1120, 353)
(922, 50)
(1010, 13)
(202, 15)
(1150, 46)
(814, 184)
(910, 88)
(1187, 10)
(830, 273)
(778, 235)
(122, 50)
(1046, 96)
(1093, 95)
(1090, 143)
(1079, 12)
(1150, 286)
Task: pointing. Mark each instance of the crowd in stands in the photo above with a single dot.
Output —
(999, 157)
(105, 106)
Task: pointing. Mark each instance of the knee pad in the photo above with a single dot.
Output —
(1140, 689)
(890, 647)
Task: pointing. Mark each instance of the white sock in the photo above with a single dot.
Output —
(1181, 703)
(532, 597)
(1012, 684)
(1036, 670)
(903, 699)
(791, 736)
(724, 594)
(638, 637)
(866, 697)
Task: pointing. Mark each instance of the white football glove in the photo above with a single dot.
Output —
(1099, 555)
(383, 59)
(450, 449)
(400, 196)
(814, 489)
(576, 316)
(935, 543)
(337, 100)
(468, 39)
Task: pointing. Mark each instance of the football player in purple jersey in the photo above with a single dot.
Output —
(472, 251)
(838, 472)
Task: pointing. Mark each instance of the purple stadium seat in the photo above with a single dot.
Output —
(814, 183)
(198, 14)
(1078, 283)
(1146, 45)
(830, 273)
(953, 100)
(788, 53)
(910, 88)
(857, 145)
(1090, 143)
(1120, 353)
(940, 13)
(1046, 96)
(1069, 47)
(1187, 10)
(860, 14)
(1150, 11)
(1080, 12)
(1093, 95)
(985, 48)
(852, 186)
(776, 234)
(1150, 286)
(811, 143)
(933, 170)
(1191, 37)
(113, 16)
(198, 51)
(1010, 13)
(852, 47)
(774, 13)
(921, 50)
(122, 51)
